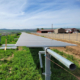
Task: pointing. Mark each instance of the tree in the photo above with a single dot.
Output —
(37, 29)
(42, 28)
(79, 30)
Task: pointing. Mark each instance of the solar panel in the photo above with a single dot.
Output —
(30, 40)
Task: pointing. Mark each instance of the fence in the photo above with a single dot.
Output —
(64, 36)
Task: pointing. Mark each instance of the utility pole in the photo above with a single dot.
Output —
(52, 27)
(52, 31)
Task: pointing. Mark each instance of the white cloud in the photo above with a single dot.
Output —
(12, 8)
(16, 14)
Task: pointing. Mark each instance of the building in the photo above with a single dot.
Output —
(60, 30)
(46, 31)
(71, 30)
(68, 30)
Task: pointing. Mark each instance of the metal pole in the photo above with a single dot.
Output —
(52, 27)
(47, 65)
(5, 44)
(63, 60)
(41, 52)
(52, 31)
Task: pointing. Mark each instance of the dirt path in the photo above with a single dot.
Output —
(72, 50)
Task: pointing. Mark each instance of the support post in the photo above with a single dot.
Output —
(47, 65)
(5, 44)
(40, 59)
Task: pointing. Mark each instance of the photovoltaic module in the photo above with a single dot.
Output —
(30, 40)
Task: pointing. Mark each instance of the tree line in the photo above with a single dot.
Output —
(40, 29)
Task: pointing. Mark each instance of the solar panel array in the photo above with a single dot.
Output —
(30, 40)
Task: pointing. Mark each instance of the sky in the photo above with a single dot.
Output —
(31, 14)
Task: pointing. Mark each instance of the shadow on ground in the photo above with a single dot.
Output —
(56, 72)
(34, 53)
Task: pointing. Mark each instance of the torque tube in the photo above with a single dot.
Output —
(63, 60)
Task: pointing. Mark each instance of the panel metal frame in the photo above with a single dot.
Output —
(30, 40)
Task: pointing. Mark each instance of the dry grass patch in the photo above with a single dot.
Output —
(20, 48)
(10, 57)
(10, 70)
(72, 50)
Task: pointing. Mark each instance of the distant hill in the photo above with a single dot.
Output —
(16, 30)
(4, 30)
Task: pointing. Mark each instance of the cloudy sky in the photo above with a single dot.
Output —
(20, 14)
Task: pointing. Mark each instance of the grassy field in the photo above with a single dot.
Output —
(10, 39)
(23, 64)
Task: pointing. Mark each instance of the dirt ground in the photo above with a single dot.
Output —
(64, 36)
(72, 50)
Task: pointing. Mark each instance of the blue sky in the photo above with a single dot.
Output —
(29, 14)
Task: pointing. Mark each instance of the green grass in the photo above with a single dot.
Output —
(10, 39)
(71, 58)
(5, 54)
(42, 36)
(22, 67)
(25, 65)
